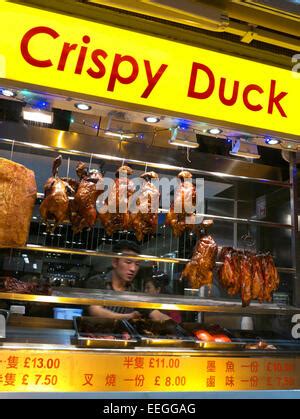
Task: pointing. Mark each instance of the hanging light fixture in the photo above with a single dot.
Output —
(181, 139)
(244, 148)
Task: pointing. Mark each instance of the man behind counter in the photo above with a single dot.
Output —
(121, 279)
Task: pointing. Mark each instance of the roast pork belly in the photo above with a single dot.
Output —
(17, 196)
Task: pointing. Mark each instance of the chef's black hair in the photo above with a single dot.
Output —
(123, 245)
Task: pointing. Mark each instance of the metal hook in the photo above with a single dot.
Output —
(188, 155)
(68, 167)
(90, 162)
(247, 238)
(12, 149)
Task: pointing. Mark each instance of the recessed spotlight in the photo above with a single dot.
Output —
(82, 106)
(272, 141)
(7, 93)
(214, 131)
(152, 119)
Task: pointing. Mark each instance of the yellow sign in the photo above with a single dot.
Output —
(73, 371)
(66, 53)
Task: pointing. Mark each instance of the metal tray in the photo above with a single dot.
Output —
(3, 324)
(213, 346)
(165, 334)
(86, 326)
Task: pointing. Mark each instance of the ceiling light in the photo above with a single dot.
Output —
(37, 116)
(152, 119)
(243, 148)
(214, 131)
(7, 93)
(272, 141)
(82, 106)
(120, 135)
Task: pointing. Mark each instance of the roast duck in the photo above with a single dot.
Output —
(114, 213)
(254, 276)
(144, 220)
(199, 270)
(55, 207)
(17, 196)
(83, 213)
(181, 216)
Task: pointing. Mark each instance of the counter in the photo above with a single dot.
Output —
(28, 364)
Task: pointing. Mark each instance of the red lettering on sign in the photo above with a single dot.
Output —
(67, 48)
(235, 91)
(194, 74)
(274, 100)
(83, 50)
(25, 44)
(246, 92)
(97, 74)
(116, 76)
(152, 80)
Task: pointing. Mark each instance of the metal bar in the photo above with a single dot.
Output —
(247, 221)
(234, 219)
(75, 296)
(235, 214)
(156, 165)
(150, 258)
(37, 248)
(295, 229)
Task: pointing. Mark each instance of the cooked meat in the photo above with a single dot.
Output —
(199, 271)
(55, 207)
(271, 277)
(203, 335)
(83, 207)
(260, 345)
(181, 216)
(9, 284)
(114, 214)
(145, 220)
(246, 280)
(257, 279)
(255, 276)
(17, 197)
(230, 270)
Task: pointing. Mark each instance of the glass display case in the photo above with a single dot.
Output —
(253, 209)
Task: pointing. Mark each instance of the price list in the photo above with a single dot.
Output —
(70, 371)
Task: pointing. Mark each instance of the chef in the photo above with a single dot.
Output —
(121, 278)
